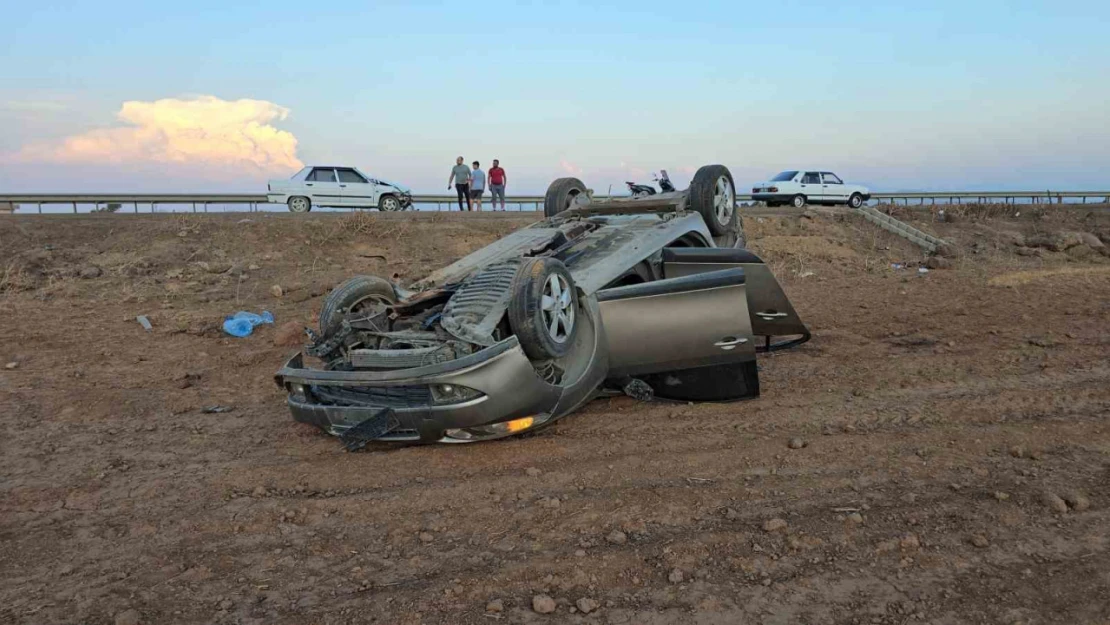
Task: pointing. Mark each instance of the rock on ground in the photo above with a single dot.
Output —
(938, 262)
(774, 525)
(543, 604)
(617, 537)
(1055, 502)
(495, 606)
(675, 576)
(587, 605)
(127, 617)
(1077, 501)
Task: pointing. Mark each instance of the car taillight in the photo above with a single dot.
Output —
(773, 189)
(755, 189)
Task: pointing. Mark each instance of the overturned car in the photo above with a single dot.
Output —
(652, 297)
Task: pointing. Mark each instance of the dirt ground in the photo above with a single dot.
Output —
(952, 461)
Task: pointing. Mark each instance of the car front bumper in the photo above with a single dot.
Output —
(507, 382)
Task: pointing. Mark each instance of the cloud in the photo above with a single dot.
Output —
(570, 168)
(204, 131)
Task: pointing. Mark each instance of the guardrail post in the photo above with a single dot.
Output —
(40, 206)
(206, 207)
(75, 208)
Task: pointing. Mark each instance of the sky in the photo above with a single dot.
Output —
(209, 96)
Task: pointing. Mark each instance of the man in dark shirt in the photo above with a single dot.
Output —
(497, 181)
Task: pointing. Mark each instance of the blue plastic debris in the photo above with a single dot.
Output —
(242, 323)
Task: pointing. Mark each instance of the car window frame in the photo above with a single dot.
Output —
(311, 176)
(362, 179)
(829, 173)
(805, 174)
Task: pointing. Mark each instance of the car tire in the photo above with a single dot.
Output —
(712, 193)
(560, 194)
(299, 204)
(543, 297)
(855, 201)
(799, 201)
(389, 203)
(356, 292)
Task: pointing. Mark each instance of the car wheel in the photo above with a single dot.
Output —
(357, 294)
(799, 201)
(855, 201)
(543, 309)
(389, 203)
(299, 204)
(713, 195)
(560, 194)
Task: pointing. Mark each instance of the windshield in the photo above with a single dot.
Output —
(784, 176)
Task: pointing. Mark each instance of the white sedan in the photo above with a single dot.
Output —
(799, 188)
(325, 185)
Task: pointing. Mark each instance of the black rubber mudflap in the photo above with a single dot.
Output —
(377, 426)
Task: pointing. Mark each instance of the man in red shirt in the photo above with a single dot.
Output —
(497, 180)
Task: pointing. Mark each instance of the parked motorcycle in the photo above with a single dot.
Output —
(663, 180)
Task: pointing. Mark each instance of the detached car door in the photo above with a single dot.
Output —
(323, 187)
(688, 338)
(772, 314)
(356, 189)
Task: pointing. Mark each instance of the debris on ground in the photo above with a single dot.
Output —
(543, 604)
(217, 409)
(796, 443)
(143, 321)
(242, 323)
(11, 365)
(277, 291)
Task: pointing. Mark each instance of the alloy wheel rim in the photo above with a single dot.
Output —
(724, 200)
(557, 305)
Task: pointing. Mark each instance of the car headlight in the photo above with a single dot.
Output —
(297, 390)
(453, 394)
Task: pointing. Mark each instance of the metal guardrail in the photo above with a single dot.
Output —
(251, 201)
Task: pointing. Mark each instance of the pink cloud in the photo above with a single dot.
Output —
(570, 168)
(204, 131)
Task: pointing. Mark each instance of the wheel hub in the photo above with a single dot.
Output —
(724, 200)
(557, 305)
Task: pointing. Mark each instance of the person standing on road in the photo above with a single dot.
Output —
(477, 186)
(460, 177)
(497, 181)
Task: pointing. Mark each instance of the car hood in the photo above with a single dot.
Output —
(400, 187)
